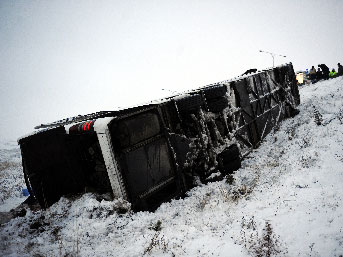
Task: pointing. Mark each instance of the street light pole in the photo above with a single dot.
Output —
(272, 54)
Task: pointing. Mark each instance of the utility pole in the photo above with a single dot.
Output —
(272, 54)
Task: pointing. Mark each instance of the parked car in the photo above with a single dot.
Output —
(152, 153)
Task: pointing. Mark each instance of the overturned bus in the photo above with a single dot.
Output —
(152, 153)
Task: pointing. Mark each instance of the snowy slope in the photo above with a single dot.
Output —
(286, 201)
(11, 176)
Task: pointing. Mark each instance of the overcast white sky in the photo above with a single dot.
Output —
(64, 58)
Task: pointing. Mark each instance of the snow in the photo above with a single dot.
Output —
(11, 176)
(34, 132)
(11, 202)
(286, 200)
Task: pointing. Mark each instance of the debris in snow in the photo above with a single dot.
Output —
(318, 118)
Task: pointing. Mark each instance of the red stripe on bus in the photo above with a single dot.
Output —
(89, 124)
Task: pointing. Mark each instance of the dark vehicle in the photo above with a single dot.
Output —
(155, 152)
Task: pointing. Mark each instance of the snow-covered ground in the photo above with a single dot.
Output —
(286, 200)
(11, 176)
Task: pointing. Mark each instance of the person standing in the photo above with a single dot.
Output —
(340, 70)
(333, 74)
(319, 74)
(325, 70)
(313, 73)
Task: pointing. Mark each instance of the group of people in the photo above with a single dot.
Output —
(323, 72)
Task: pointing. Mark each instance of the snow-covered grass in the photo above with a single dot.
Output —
(286, 200)
(11, 176)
